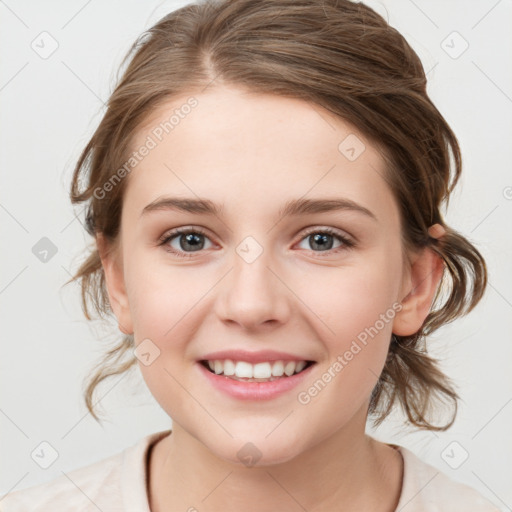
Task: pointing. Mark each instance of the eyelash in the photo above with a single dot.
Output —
(347, 243)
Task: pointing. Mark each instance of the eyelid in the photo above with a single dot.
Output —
(182, 230)
(327, 229)
(304, 232)
(348, 241)
(176, 232)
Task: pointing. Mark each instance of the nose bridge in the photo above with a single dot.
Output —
(253, 294)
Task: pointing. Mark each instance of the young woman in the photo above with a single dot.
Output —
(264, 191)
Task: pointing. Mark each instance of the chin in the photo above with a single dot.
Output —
(258, 450)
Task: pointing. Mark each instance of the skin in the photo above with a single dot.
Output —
(254, 152)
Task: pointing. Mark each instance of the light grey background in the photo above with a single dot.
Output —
(50, 107)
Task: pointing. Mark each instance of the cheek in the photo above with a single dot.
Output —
(159, 295)
(167, 304)
(352, 300)
(357, 307)
(162, 308)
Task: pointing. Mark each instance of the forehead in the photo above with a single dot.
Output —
(238, 146)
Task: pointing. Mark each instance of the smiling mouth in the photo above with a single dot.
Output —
(259, 372)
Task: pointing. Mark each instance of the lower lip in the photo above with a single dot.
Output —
(254, 390)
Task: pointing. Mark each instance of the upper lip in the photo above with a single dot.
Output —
(261, 356)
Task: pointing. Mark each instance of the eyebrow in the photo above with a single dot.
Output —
(294, 207)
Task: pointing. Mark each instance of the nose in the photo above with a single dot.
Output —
(253, 294)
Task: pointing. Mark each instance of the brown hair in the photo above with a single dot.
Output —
(337, 54)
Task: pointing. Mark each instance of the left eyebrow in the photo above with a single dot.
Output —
(294, 207)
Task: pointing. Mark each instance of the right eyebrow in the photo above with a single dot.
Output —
(294, 207)
(202, 206)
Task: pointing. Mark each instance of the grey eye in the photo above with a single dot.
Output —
(320, 241)
(188, 242)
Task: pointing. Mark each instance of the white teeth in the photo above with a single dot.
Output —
(300, 366)
(218, 367)
(262, 371)
(243, 369)
(229, 367)
(266, 370)
(278, 369)
(289, 368)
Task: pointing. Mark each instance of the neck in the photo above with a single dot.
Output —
(347, 471)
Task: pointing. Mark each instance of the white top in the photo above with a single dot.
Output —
(119, 483)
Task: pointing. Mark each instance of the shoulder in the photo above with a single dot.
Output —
(80, 489)
(104, 485)
(427, 489)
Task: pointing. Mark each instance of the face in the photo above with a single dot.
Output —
(272, 274)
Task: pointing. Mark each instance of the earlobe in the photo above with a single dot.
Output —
(425, 275)
(114, 282)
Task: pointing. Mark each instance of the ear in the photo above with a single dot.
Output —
(114, 280)
(418, 291)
